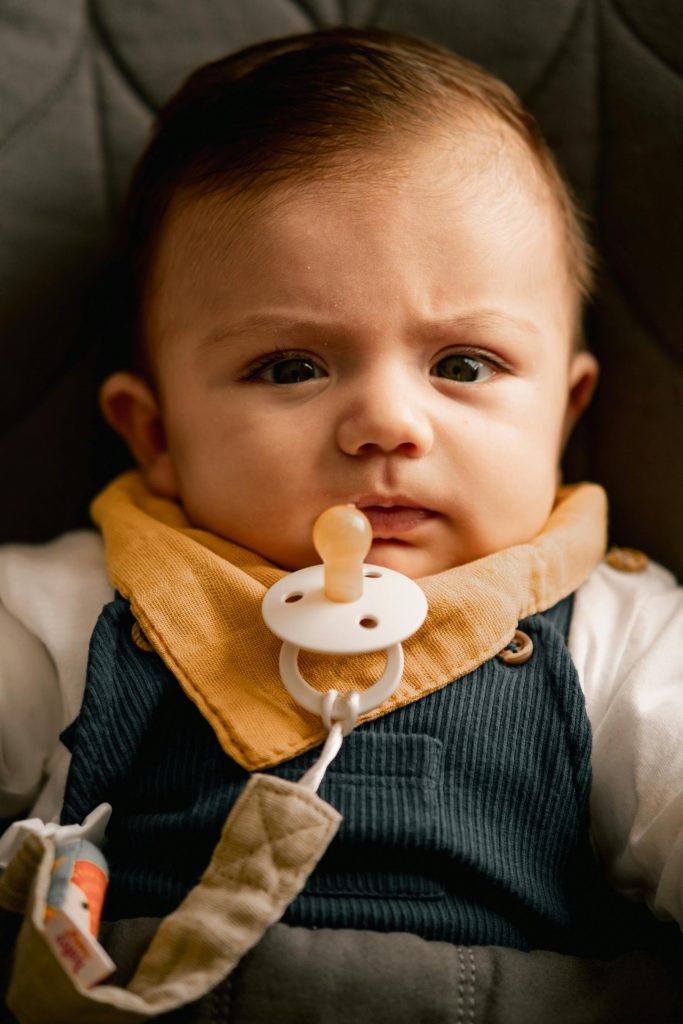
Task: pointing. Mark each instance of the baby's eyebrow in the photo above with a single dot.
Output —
(483, 319)
(285, 325)
(270, 322)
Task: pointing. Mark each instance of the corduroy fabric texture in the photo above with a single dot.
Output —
(198, 599)
(465, 813)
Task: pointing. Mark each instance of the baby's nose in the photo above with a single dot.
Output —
(385, 421)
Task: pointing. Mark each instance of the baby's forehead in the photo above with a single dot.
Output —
(411, 203)
(412, 189)
(441, 219)
(475, 158)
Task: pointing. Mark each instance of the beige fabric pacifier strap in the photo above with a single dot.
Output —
(272, 839)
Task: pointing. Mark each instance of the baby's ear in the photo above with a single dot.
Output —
(583, 377)
(132, 410)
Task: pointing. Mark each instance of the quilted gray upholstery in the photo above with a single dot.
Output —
(79, 82)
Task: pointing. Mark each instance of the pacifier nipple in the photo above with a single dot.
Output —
(342, 536)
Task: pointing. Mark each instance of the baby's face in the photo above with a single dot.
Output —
(404, 346)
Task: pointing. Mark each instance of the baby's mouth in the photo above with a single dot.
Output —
(390, 521)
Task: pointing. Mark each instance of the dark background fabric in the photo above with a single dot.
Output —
(79, 82)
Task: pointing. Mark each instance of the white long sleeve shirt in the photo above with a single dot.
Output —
(626, 639)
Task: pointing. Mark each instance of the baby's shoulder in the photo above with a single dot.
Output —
(624, 585)
(628, 613)
(70, 553)
(56, 590)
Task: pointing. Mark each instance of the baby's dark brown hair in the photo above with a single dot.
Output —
(295, 109)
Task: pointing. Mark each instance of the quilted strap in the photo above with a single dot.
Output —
(272, 839)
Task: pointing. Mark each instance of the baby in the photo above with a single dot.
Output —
(351, 273)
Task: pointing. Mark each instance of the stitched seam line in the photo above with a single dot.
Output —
(558, 53)
(126, 75)
(645, 43)
(460, 1017)
(309, 12)
(102, 135)
(54, 94)
(473, 975)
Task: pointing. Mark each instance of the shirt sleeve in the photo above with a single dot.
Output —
(50, 598)
(30, 708)
(626, 640)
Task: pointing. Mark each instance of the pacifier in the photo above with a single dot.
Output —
(342, 607)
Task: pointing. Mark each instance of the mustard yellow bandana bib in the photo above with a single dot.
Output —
(197, 598)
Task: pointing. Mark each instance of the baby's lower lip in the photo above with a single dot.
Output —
(396, 519)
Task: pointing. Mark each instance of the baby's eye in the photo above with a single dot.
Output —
(292, 370)
(466, 369)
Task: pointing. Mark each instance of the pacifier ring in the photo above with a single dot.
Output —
(333, 706)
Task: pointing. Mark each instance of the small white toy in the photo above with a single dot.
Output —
(72, 910)
(343, 607)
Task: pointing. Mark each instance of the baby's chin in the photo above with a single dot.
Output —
(398, 555)
(409, 559)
